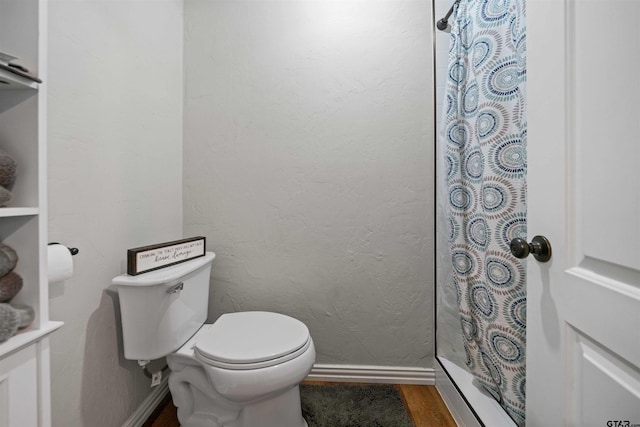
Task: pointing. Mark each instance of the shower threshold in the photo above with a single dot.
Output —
(469, 405)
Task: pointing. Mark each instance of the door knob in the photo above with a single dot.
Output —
(539, 247)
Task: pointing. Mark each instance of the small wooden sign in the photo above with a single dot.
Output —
(149, 258)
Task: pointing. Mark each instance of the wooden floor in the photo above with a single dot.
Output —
(423, 402)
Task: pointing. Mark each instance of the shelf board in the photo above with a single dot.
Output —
(8, 212)
(26, 337)
(11, 81)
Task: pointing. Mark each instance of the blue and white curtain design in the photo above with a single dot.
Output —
(483, 137)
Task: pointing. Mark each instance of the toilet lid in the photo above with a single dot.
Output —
(251, 337)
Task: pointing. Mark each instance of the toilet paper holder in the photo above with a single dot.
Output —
(74, 251)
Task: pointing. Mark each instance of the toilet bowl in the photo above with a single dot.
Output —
(254, 380)
(243, 370)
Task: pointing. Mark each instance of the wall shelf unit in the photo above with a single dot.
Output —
(25, 395)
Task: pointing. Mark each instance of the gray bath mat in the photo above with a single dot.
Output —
(353, 406)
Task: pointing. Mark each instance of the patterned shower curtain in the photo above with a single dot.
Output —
(484, 152)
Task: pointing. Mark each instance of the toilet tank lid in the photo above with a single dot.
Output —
(164, 275)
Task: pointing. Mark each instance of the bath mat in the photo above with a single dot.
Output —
(353, 406)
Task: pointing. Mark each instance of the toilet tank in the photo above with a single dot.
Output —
(162, 309)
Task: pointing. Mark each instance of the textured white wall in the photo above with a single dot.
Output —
(308, 164)
(115, 182)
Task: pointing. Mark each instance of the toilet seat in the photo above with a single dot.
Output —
(252, 340)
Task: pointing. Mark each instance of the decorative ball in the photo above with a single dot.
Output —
(9, 321)
(10, 285)
(8, 259)
(26, 314)
(8, 168)
(5, 197)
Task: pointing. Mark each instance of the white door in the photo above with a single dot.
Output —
(583, 326)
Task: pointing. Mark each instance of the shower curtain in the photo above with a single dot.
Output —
(483, 146)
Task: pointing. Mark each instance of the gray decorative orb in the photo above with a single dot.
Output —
(5, 197)
(8, 168)
(9, 321)
(26, 314)
(10, 285)
(8, 259)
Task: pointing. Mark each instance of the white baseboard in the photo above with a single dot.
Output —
(148, 405)
(372, 374)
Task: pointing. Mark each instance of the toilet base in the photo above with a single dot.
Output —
(279, 411)
(200, 405)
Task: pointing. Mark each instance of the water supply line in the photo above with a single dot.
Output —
(156, 377)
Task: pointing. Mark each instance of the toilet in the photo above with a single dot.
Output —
(243, 370)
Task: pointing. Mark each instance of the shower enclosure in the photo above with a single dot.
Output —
(582, 343)
(480, 358)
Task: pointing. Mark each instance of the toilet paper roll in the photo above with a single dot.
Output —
(60, 262)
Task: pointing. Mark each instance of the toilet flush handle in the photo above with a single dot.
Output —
(175, 288)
